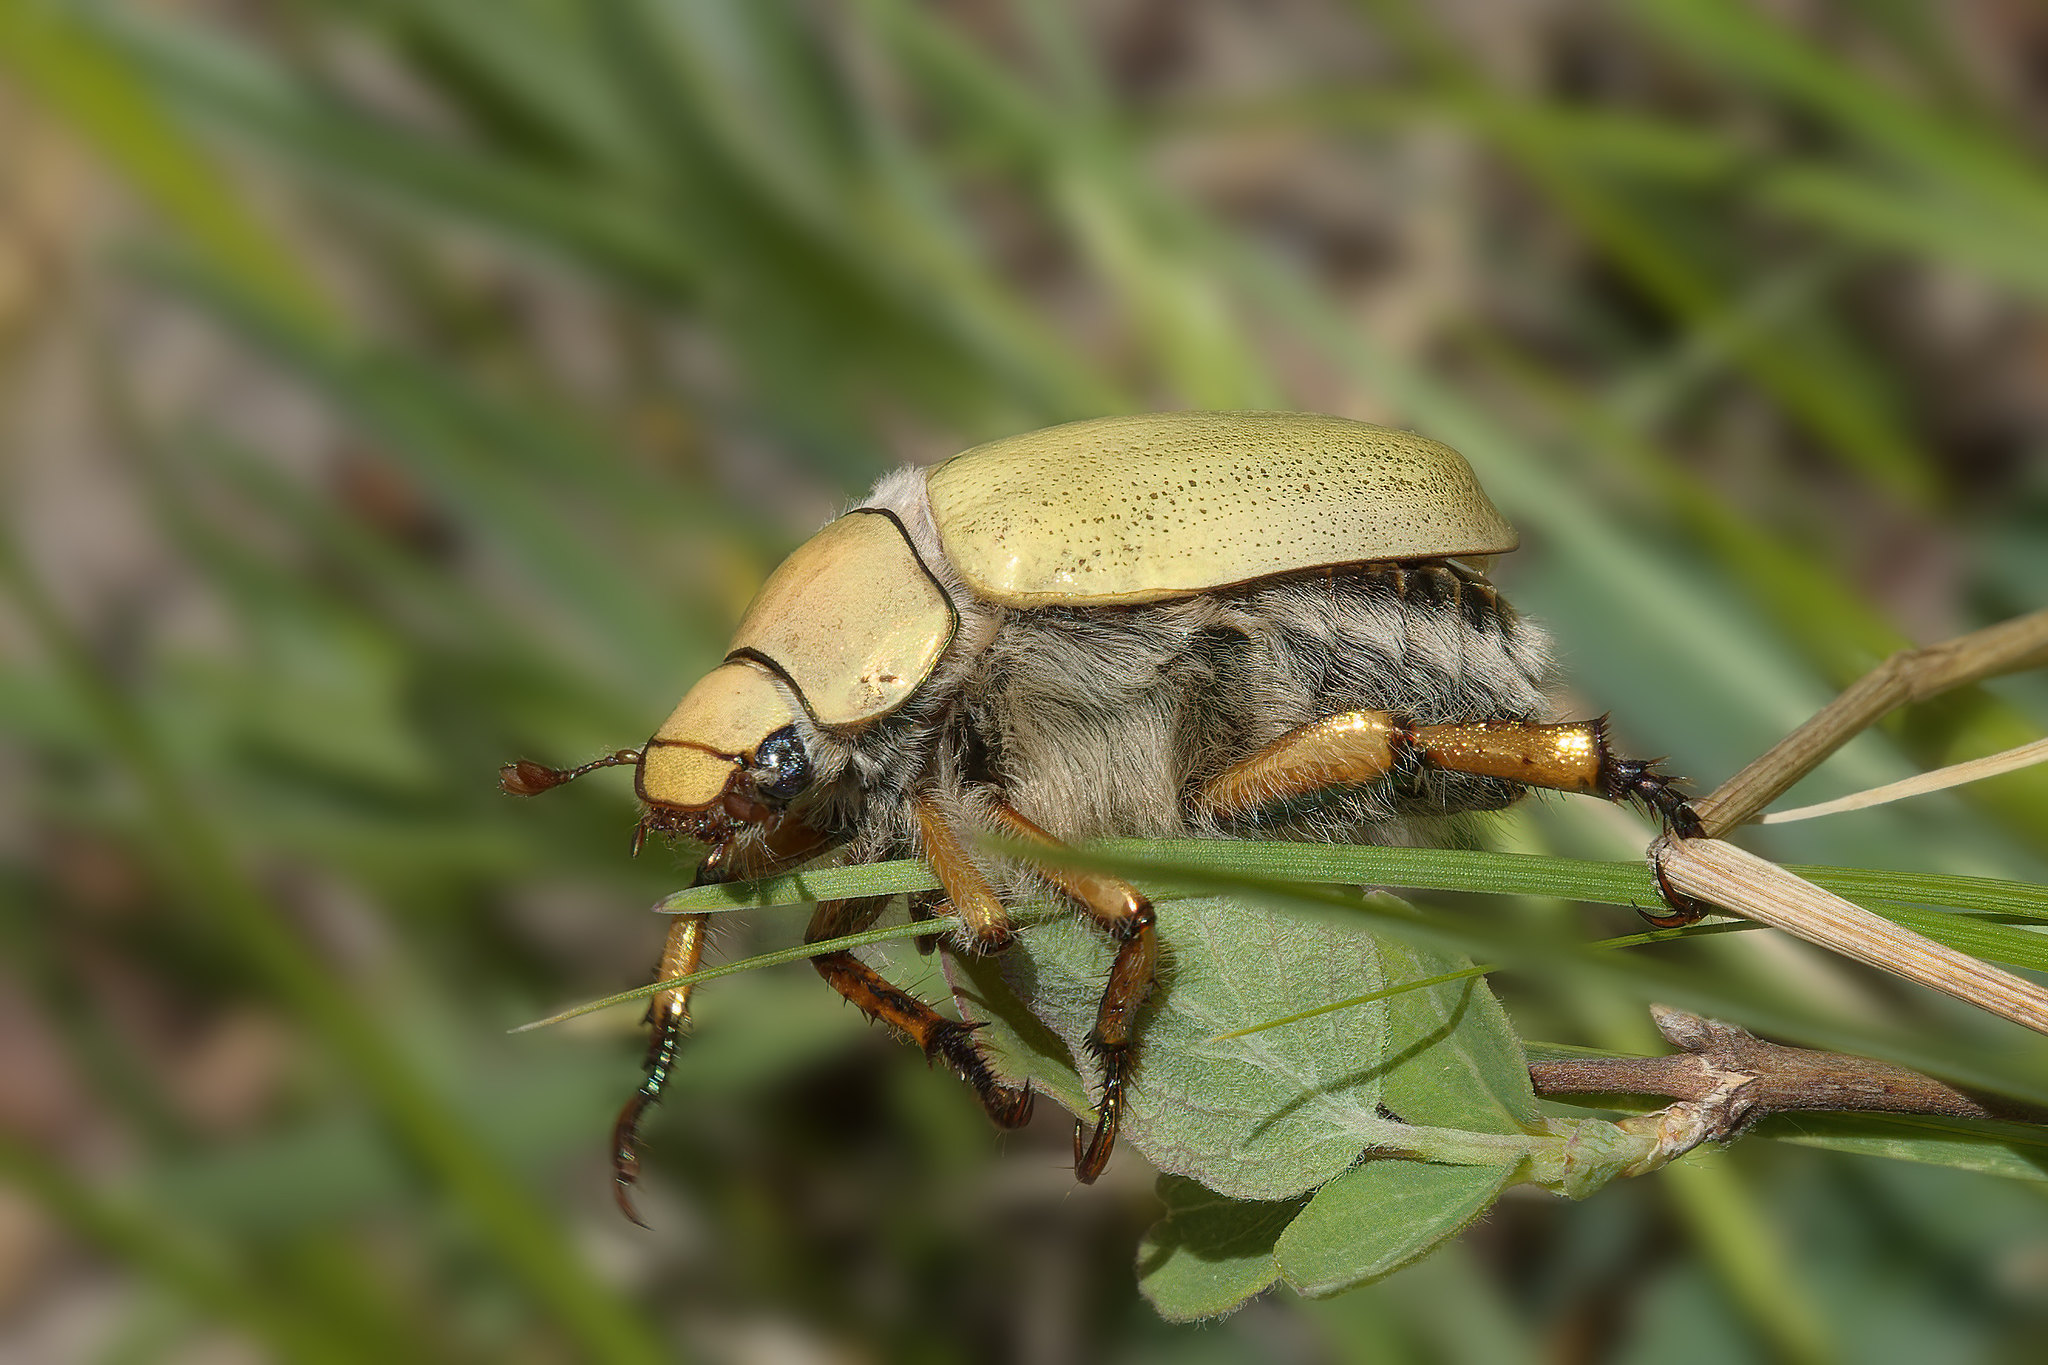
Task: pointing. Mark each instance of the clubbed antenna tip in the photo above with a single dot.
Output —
(527, 778)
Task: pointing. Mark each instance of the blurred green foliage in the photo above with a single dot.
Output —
(444, 375)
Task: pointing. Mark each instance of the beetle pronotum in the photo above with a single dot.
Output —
(1182, 624)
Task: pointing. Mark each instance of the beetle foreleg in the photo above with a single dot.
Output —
(940, 1038)
(668, 1015)
(1124, 911)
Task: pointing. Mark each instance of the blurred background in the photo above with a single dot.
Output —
(392, 388)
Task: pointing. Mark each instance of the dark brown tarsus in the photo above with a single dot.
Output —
(668, 1015)
(939, 1038)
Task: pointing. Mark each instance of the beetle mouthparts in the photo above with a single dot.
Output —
(713, 825)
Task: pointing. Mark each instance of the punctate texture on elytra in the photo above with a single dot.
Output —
(1141, 508)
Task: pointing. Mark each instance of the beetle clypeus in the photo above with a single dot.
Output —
(1180, 624)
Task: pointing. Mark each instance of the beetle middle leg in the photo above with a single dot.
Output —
(940, 1038)
(967, 891)
(1124, 911)
(1360, 746)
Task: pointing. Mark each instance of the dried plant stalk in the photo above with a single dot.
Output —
(1746, 885)
(1911, 675)
(1754, 888)
(1941, 779)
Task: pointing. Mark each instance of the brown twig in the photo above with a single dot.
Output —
(1910, 675)
(1737, 1078)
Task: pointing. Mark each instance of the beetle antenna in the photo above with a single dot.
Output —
(527, 778)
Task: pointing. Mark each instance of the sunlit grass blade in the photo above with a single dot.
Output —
(937, 924)
(1632, 143)
(1424, 869)
(200, 862)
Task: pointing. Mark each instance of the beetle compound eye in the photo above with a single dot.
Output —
(781, 767)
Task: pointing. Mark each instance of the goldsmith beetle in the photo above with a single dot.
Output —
(1189, 624)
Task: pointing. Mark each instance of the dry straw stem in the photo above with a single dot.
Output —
(1746, 885)
(1955, 774)
(1749, 886)
(1910, 675)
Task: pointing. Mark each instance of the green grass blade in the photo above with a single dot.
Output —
(2001, 178)
(91, 86)
(937, 924)
(201, 863)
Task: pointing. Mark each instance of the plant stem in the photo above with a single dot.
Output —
(1757, 1078)
(1910, 675)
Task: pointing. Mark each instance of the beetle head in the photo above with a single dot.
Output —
(729, 758)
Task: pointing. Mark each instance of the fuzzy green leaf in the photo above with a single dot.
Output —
(1457, 1062)
(1373, 1220)
(1276, 1112)
(1209, 1253)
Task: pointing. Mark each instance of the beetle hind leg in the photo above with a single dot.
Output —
(941, 1039)
(1362, 746)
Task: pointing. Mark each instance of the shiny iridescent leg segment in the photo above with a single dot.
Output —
(668, 1016)
(1360, 746)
